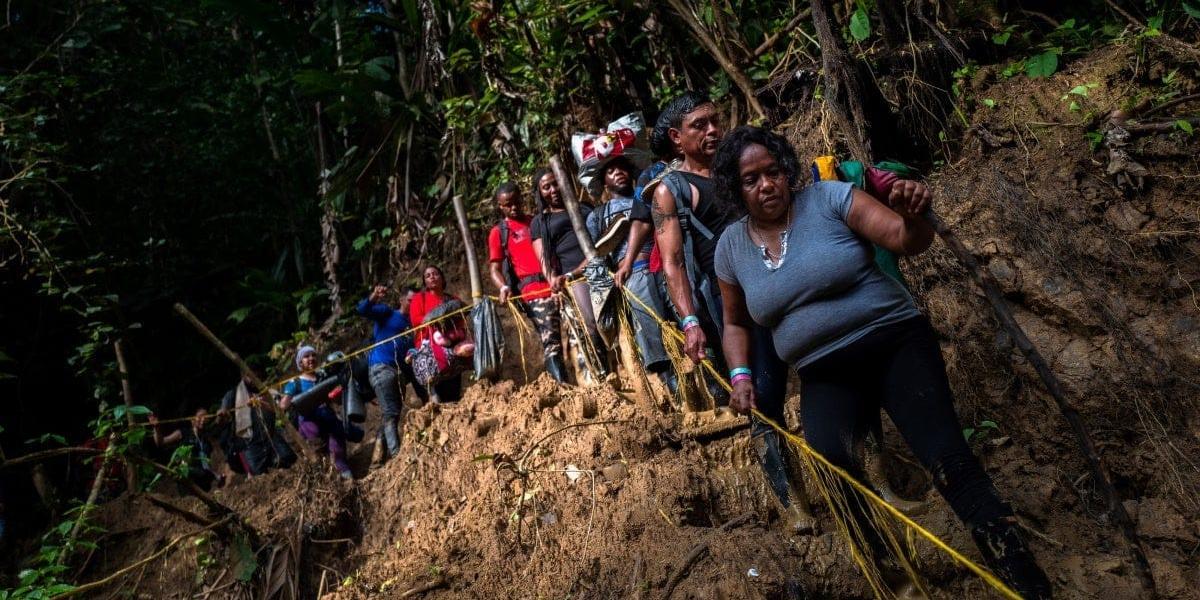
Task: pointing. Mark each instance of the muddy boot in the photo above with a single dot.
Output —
(670, 380)
(603, 367)
(774, 461)
(378, 451)
(875, 461)
(556, 368)
(391, 437)
(1008, 556)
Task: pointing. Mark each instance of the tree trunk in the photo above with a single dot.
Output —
(331, 252)
(718, 53)
(891, 23)
(843, 90)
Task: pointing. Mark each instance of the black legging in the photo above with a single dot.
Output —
(899, 368)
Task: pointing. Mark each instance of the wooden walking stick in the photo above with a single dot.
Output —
(472, 263)
(567, 189)
(127, 395)
(291, 433)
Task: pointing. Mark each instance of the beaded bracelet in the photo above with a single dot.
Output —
(690, 321)
(739, 377)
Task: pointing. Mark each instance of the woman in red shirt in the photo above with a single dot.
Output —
(447, 342)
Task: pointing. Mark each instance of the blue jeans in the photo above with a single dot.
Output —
(390, 392)
(646, 287)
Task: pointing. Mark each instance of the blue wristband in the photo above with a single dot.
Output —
(740, 371)
(689, 322)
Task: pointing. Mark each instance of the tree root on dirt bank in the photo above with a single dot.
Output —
(685, 564)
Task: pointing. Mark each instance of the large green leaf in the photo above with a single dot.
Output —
(1042, 65)
(860, 25)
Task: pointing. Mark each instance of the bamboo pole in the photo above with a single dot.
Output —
(291, 433)
(566, 187)
(472, 262)
(127, 395)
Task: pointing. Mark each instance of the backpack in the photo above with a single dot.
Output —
(705, 296)
(854, 172)
(510, 273)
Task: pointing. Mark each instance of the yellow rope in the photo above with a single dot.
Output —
(825, 476)
(877, 504)
(521, 326)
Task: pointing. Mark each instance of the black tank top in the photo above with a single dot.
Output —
(710, 213)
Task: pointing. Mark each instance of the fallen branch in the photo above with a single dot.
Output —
(685, 564)
(425, 587)
(178, 511)
(1170, 103)
(1171, 44)
(34, 457)
(93, 495)
(1159, 126)
(145, 561)
(769, 43)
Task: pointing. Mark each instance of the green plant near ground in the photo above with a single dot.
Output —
(981, 431)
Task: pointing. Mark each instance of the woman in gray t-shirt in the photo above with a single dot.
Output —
(801, 263)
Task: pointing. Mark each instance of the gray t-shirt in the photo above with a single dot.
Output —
(828, 292)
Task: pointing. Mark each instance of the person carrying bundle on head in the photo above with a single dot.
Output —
(621, 229)
(516, 271)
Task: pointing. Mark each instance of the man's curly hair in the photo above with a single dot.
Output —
(726, 172)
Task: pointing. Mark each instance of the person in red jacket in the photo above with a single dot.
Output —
(446, 341)
(515, 270)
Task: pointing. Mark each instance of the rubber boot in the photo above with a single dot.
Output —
(391, 437)
(774, 461)
(556, 368)
(1009, 557)
(670, 380)
(603, 367)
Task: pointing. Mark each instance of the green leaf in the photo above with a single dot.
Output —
(1154, 25)
(860, 25)
(240, 314)
(988, 102)
(1191, 11)
(138, 409)
(1042, 65)
(968, 432)
(989, 424)
(1185, 126)
(1001, 38)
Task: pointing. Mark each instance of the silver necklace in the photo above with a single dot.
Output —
(771, 262)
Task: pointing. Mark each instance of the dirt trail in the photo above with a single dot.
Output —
(1103, 280)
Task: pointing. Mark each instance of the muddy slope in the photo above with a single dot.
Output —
(494, 498)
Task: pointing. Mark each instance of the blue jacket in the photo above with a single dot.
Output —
(388, 323)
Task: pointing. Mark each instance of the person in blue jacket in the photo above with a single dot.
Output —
(385, 363)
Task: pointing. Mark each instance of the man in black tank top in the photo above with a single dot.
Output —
(711, 213)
